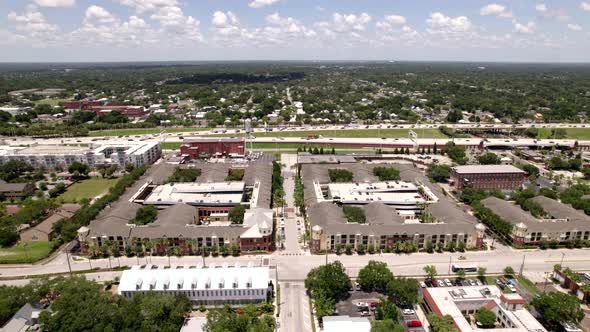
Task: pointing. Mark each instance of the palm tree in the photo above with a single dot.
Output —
(430, 271)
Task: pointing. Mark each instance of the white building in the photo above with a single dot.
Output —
(196, 193)
(346, 324)
(210, 286)
(61, 156)
(458, 302)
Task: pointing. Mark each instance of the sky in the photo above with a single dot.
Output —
(185, 30)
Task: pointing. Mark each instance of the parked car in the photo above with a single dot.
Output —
(357, 286)
(414, 323)
(448, 283)
(512, 288)
(422, 284)
(408, 312)
(440, 283)
(472, 282)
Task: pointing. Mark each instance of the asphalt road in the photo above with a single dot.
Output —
(295, 312)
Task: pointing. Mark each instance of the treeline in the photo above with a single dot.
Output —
(78, 304)
(223, 78)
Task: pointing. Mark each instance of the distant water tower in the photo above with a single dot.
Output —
(248, 126)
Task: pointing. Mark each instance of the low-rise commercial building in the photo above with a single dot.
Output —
(110, 153)
(209, 286)
(459, 302)
(487, 177)
(562, 222)
(196, 148)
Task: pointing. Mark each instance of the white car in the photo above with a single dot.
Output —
(512, 288)
(422, 284)
(440, 283)
(448, 283)
(408, 312)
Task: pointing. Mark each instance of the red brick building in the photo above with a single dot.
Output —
(207, 147)
(81, 104)
(487, 177)
(129, 111)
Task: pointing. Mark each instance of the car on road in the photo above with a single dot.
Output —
(408, 312)
(414, 323)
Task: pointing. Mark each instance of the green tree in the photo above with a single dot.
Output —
(441, 324)
(374, 276)
(386, 173)
(485, 317)
(323, 305)
(78, 168)
(559, 307)
(404, 291)
(145, 215)
(460, 274)
(489, 158)
(439, 173)
(387, 310)
(354, 214)
(509, 271)
(481, 273)
(236, 215)
(330, 278)
(430, 271)
(454, 116)
(386, 326)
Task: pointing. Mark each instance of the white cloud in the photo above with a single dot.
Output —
(341, 23)
(32, 22)
(438, 22)
(391, 22)
(261, 3)
(585, 6)
(170, 16)
(574, 27)
(541, 7)
(289, 26)
(528, 28)
(98, 14)
(496, 10)
(55, 3)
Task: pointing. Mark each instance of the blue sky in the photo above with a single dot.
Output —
(149, 30)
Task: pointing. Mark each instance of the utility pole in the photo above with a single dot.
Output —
(450, 262)
(561, 262)
(68, 259)
(522, 265)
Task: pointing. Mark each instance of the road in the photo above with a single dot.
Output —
(178, 137)
(295, 312)
(291, 228)
(295, 268)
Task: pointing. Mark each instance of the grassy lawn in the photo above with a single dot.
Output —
(358, 133)
(52, 102)
(141, 131)
(170, 145)
(89, 188)
(25, 253)
(578, 133)
(529, 285)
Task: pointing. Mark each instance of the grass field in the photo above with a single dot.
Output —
(529, 285)
(170, 145)
(358, 133)
(141, 131)
(29, 253)
(578, 133)
(52, 102)
(89, 188)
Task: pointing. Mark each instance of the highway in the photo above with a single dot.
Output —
(295, 267)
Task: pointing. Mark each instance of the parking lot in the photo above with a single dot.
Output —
(351, 308)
